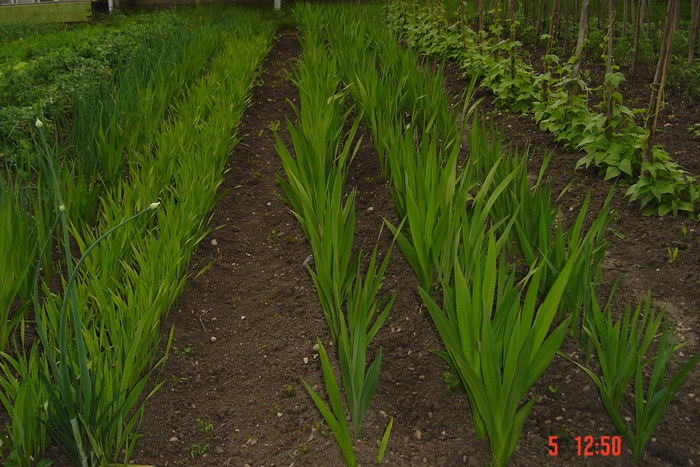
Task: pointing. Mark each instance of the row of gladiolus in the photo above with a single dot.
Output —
(469, 215)
(315, 190)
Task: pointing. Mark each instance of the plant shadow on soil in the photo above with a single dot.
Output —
(245, 327)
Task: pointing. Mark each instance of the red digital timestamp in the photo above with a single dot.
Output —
(591, 446)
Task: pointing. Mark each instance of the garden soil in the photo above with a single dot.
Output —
(246, 325)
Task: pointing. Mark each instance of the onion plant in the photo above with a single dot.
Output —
(109, 126)
(100, 135)
(23, 395)
(75, 416)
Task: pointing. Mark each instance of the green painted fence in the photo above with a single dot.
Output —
(58, 12)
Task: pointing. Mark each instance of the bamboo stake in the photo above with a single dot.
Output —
(608, 68)
(695, 22)
(480, 6)
(657, 88)
(582, 28)
(566, 25)
(538, 21)
(554, 21)
(637, 29)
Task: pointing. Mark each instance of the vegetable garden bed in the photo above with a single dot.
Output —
(247, 321)
(273, 420)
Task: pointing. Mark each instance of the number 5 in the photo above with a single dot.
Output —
(553, 446)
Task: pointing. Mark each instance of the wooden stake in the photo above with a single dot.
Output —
(657, 88)
(695, 22)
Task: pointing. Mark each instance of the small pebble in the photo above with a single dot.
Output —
(214, 242)
(173, 439)
(212, 338)
(417, 434)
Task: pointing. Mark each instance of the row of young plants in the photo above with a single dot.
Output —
(470, 222)
(81, 384)
(637, 29)
(92, 148)
(559, 103)
(446, 245)
(315, 189)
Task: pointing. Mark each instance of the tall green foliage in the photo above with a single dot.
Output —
(100, 334)
(613, 143)
(315, 189)
(462, 201)
(622, 347)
